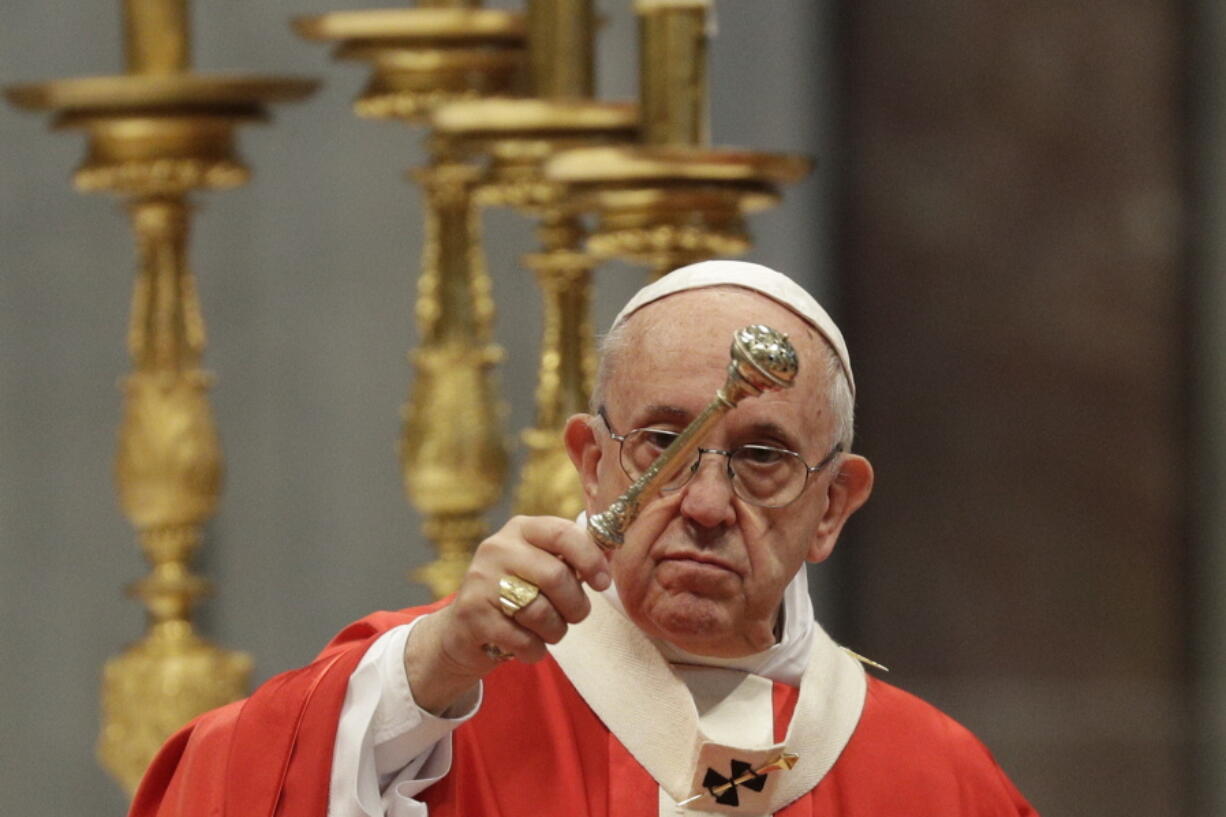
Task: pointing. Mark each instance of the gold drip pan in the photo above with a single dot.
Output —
(124, 92)
(649, 164)
(520, 135)
(423, 57)
(664, 206)
(160, 133)
(503, 117)
(416, 24)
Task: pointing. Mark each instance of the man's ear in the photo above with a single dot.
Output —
(847, 491)
(584, 450)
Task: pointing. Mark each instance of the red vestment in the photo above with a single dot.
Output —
(536, 749)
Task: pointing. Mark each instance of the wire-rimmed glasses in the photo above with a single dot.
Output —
(762, 475)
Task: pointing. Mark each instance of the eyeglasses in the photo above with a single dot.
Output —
(760, 474)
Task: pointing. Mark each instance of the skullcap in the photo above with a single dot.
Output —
(774, 285)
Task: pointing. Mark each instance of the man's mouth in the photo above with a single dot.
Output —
(701, 560)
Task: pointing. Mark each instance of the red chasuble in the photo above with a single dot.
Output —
(536, 749)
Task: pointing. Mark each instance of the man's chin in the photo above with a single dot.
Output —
(694, 623)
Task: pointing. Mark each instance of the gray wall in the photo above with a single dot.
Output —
(306, 278)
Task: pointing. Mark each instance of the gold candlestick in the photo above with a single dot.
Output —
(452, 451)
(515, 137)
(672, 200)
(155, 134)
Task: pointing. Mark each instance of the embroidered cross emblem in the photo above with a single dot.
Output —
(724, 789)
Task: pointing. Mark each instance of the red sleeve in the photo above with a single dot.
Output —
(270, 754)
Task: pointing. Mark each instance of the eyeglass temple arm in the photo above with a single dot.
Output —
(762, 360)
(829, 458)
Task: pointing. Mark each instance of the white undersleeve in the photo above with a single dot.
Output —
(388, 749)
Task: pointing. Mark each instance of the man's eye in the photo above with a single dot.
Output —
(657, 438)
(760, 455)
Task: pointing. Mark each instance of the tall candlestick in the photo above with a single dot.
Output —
(156, 134)
(452, 451)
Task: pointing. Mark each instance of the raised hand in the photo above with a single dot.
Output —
(495, 616)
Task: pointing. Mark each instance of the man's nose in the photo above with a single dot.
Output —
(707, 497)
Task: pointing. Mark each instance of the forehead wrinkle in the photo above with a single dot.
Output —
(655, 412)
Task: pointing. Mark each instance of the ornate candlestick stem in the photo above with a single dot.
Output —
(156, 36)
(168, 470)
(561, 60)
(567, 362)
(548, 484)
(452, 451)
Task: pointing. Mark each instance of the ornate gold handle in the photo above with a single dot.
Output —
(762, 360)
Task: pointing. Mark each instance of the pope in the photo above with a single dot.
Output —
(679, 673)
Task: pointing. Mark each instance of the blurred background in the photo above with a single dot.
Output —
(1017, 217)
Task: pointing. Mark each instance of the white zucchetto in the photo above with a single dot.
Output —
(774, 285)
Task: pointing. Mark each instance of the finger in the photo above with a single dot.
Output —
(553, 577)
(542, 620)
(477, 628)
(565, 539)
(519, 641)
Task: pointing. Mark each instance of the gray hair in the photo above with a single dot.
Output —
(840, 402)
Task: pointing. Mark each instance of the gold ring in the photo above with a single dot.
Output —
(514, 594)
(496, 653)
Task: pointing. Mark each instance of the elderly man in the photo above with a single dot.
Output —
(681, 673)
